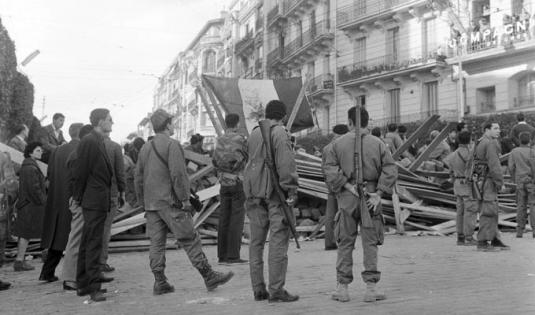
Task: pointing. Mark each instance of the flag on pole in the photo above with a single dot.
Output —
(248, 98)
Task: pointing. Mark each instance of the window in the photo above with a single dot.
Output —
(526, 90)
(394, 106)
(392, 45)
(209, 61)
(486, 99)
(430, 98)
(429, 35)
(359, 50)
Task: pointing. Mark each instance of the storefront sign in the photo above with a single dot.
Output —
(490, 35)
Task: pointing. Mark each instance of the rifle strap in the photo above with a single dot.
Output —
(164, 162)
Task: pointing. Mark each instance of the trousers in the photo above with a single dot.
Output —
(231, 218)
(107, 231)
(88, 267)
(346, 230)
(330, 212)
(488, 219)
(466, 215)
(52, 260)
(265, 215)
(525, 196)
(181, 225)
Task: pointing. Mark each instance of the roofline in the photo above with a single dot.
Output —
(203, 30)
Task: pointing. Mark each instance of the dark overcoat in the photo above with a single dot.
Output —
(57, 220)
(93, 174)
(32, 200)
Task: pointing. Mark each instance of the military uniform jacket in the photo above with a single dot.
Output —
(488, 151)
(457, 165)
(257, 182)
(378, 166)
(522, 164)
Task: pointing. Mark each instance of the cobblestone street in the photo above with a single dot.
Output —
(421, 275)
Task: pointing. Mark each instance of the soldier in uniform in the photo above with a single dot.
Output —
(163, 189)
(466, 204)
(379, 171)
(264, 208)
(489, 181)
(332, 205)
(522, 169)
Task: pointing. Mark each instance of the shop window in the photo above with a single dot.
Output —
(486, 99)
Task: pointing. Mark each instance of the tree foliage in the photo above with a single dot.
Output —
(16, 90)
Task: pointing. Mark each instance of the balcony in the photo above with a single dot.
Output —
(274, 17)
(274, 58)
(321, 89)
(389, 67)
(294, 9)
(364, 15)
(259, 24)
(245, 46)
(311, 43)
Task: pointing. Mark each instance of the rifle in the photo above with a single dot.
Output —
(265, 130)
(365, 217)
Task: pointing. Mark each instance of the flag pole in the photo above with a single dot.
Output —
(298, 103)
(216, 124)
(212, 98)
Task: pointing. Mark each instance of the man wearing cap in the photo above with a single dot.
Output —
(163, 189)
(264, 208)
(196, 142)
(332, 205)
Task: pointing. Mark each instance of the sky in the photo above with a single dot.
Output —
(101, 53)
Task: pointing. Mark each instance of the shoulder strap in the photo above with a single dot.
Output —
(461, 156)
(158, 154)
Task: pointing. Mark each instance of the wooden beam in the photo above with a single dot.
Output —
(215, 122)
(215, 104)
(432, 146)
(297, 104)
(423, 129)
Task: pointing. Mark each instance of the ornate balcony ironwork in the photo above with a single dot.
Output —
(363, 8)
(317, 32)
(245, 44)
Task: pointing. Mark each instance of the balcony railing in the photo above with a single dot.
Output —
(506, 41)
(244, 42)
(307, 37)
(386, 63)
(273, 14)
(445, 115)
(361, 9)
(289, 5)
(274, 56)
(259, 24)
(321, 82)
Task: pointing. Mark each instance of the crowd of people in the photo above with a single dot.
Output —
(89, 179)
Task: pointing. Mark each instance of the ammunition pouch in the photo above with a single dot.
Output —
(480, 171)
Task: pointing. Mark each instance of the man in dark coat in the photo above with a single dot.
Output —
(57, 220)
(52, 136)
(92, 189)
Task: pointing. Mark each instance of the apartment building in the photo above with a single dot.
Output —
(249, 40)
(497, 55)
(176, 89)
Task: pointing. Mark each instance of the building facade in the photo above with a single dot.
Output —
(398, 58)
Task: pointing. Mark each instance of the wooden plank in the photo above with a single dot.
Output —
(423, 129)
(308, 156)
(432, 146)
(197, 158)
(313, 193)
(200, 173)
(205, 215)
(298, 102)
(215, 104)
(397, 211)
(208, 193)
(215, 123)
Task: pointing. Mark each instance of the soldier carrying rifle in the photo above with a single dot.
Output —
(270, 172)
(359, 183)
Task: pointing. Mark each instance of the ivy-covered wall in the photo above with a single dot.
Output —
(16, 90)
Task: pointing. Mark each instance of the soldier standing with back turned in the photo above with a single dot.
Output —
(379, 173)
(264, 208)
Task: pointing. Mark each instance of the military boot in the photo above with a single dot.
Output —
(460, 240)
(470, 241)
(484, 246)
(161, 286)
(213, 279)
(372, 294)
(341, 293)
(499, 244)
